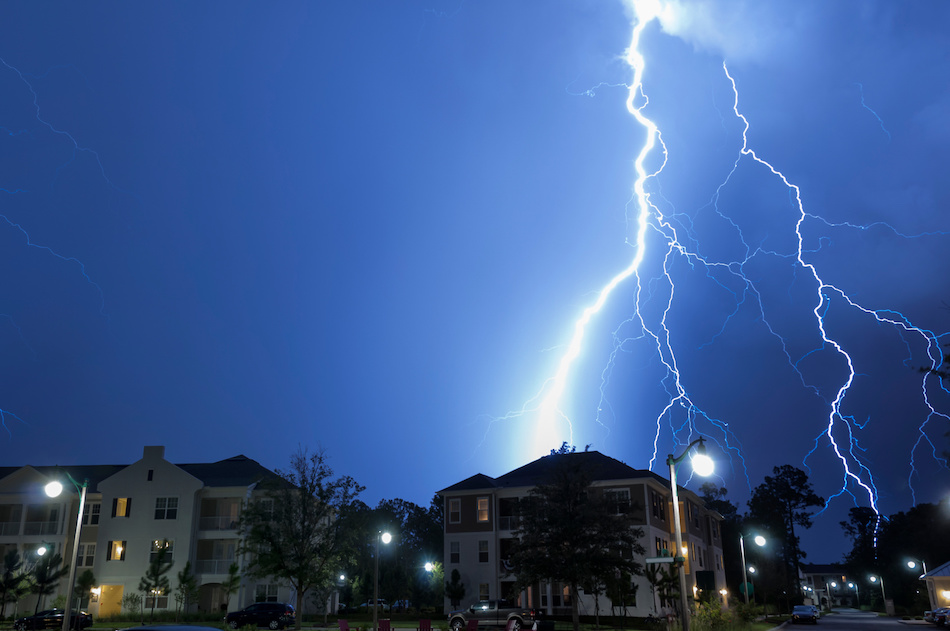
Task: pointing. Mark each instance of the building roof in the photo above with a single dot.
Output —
(601, 467)
(235, 471)
(943, 570)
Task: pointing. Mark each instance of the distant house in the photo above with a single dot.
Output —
(938, 586)
(131, 511)
(481, 515)
(826, 585)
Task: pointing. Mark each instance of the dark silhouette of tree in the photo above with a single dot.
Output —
(155, 583)
(571, 532)
(46, 574)
(11, 580)
(231, 584)
(300, 532)
(84, 584)
(455, 589)
(186, 592)
(781, 503)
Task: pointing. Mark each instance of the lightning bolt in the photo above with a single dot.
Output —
(681, 416)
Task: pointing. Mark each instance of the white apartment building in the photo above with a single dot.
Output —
(130, 511)
(481, 515)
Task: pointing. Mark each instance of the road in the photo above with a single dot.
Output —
(854, 620)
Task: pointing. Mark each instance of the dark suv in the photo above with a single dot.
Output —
(270, 615)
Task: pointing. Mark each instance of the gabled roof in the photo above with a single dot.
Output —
(236, 471)
(943, 570)
(602, 468)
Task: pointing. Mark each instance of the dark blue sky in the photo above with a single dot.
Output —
(372, 226)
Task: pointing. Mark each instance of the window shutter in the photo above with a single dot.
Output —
(109, 551)
(115, 505)
(122, 556)
(128, 507)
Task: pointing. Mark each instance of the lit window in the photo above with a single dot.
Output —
(116, 551)
(166, 508)
(483, 509)
(455, 510)
(121, 506)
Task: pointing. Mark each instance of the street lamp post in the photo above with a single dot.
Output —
(752, 581)
(53, 489)
(912, 564)
(386, 538)
(759, 541)
(857, 596)
(702, 465)
(874, 579)
(829, 586)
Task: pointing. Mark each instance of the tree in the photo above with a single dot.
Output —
(155, 583)
(231, 584)
(187, 590)
(781, 503)
(46, 574)
(455, 589)
(572, 532)
(84, 583)
(299, 531)
(10, 579)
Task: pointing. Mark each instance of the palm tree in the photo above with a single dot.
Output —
(46, 574)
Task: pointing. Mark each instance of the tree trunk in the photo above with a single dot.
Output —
(575, 610)
(299, 612)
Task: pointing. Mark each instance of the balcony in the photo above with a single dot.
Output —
(40, 528)
(213, 566)
(219, 522)
(508, 522)
(8, 528)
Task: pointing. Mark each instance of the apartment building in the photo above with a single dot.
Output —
(130, 512)
(481, 515)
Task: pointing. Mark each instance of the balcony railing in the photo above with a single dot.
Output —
(9, 528)
(40, 528)
(508, 522)
(213, 566)
(214, 522)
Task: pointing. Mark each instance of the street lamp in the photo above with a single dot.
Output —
(385, 537)
(857, 596)
(874, 579)
(831, 599)
(53, 489)
(912, 564)
(759, 541)
(703, 466)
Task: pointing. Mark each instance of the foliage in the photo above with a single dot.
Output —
(46, 574)
(186, 592)
(301, 532)
(132, 602)
(711, 616)
(155, 583)
(663, 584)
(11, 580)
(570, 532)
(84, 582)
(455, 589)
(231, 584)
(780, 504)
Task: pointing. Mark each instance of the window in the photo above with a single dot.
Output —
(659, 505)
(90, 513)
(454, 552)
(483, 591)
(166, 508)
(158, 546)
(718, 563)
(86, 555)
(265, 594)
(121, 506)
(161, 602)
(482, 509)
(483, 552)
(455, 510)
(115, 551)
(151, 473)
(618, 500)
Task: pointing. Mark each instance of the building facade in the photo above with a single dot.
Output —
(130, 513)
(481, 516)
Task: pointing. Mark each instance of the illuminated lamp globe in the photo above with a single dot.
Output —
(759, 540)
(386, 537)
(53, 489)
(429, 566)
(703, 465)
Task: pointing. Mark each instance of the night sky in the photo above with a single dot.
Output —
(370, 227)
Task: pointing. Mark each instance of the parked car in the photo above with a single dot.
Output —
(804, 614)
(53, 619)
(928, 616)
(940, 616)
(270, 615)
(494, 613)
(368, 605)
